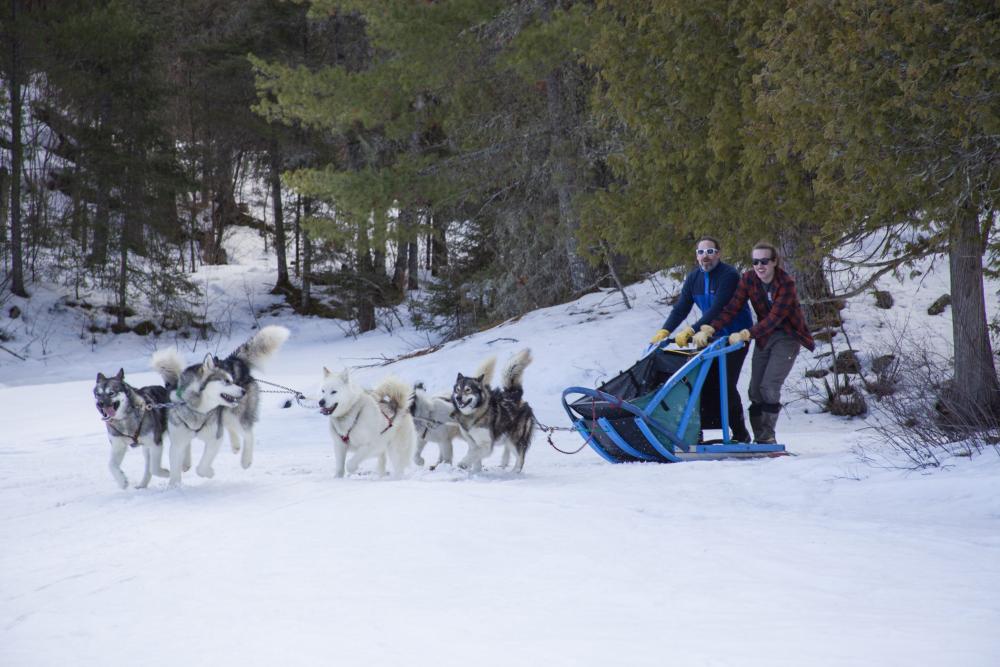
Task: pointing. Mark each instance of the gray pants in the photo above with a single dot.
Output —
(770, 366)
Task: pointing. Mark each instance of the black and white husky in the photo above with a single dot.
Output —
(132, 417)
(368, 423)
(434, 423)
(214, 396)
(488, 416)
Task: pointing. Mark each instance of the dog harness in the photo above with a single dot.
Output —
(135, 436)
(346, 437)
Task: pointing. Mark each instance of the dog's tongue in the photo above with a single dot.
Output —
(108, 411)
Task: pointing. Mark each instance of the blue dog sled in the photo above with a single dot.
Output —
(654, 410)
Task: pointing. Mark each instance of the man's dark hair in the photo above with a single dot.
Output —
(718, 246)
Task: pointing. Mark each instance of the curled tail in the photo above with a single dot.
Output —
(485, 370)
(265, 343)
(396, 393)
(169, 364)
(511, 377)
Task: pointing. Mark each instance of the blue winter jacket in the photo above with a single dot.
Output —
(711, 291)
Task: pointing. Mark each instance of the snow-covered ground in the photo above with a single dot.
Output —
(816, 559)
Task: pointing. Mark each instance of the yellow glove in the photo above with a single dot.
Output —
(683, 337)
(661, 334)
(701, 338)
(739, 337)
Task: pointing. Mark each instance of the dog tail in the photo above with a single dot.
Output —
(514, 370)
(418, 389)
(169, 364)
(396, 393)
(486, 369)
(265, 343)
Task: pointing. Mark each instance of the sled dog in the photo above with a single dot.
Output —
(131, 421)
(368, 423)
(488, 416)
(215, 395)
(434, 423)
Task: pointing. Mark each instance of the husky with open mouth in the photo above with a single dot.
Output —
(133, 417)
(214, 396)
(368, 423)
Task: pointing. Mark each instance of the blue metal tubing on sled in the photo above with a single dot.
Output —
(653, 412)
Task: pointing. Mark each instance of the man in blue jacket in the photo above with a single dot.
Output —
(711, 285)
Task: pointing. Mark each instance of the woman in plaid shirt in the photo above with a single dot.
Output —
(779, 332)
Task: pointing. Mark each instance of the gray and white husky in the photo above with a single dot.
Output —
(214, 396)
(434, 423)
(132, 420)
(368, 423)
(488, 416)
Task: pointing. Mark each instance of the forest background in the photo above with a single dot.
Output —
(522, 152)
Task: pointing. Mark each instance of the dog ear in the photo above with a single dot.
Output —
(480, 378)
(121, 374)
(345, 375)
(326, 372)
(459, 378)
(100, 377)
(209, 362)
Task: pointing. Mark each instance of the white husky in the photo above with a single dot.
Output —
(368, 423)
(434, 423)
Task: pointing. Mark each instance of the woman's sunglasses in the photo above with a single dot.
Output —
(706, 251)
(763, 260)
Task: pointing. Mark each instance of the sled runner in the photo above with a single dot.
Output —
(656, 410)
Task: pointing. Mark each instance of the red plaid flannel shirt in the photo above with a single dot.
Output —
(785, 313)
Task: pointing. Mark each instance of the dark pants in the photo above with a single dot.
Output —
(771, 365)
(711, 410)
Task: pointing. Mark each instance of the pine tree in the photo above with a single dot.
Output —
(686, 140)
(895, 107)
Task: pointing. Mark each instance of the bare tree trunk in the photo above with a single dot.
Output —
(102, 220)
(399, 266)
(811, 284)
(975, 387)
(439, 247)
(4, 203)
(377, 244)
(404, 231)
(16, 156)
(366, 305)
(283, 284)
(565, 179)
(123, 272)
(412, 267)
(306, 262)
(298, 236)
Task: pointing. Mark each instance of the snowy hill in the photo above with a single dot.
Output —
(816, 559)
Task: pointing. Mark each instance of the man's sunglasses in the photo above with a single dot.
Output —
(764, 260)
(706, 251)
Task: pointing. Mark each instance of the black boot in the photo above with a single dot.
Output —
(768, 420)
(739, 428)
(756, 422)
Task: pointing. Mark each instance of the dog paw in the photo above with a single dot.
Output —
(122, 483)
(236, 447)
(161, 472)
(205, 472)
(246, 463)
(418, 460)
(142, 485)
